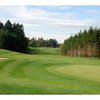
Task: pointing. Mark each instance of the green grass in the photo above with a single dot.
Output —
(44, 51)
(48, 72)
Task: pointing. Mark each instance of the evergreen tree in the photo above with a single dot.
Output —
(1, 25)
(40, 42)
(86, 43)
(12, 37)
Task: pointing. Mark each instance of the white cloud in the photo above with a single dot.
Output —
(45, 23)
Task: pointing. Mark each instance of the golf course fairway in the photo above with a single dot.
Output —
(48, 72)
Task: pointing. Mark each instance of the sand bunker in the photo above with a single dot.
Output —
(3, 58)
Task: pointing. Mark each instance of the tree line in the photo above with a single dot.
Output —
(85, 43)
(12, 37)
(40, 42)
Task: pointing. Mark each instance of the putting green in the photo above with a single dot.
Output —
(83, 71)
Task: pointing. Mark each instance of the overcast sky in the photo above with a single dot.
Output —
(57, 22)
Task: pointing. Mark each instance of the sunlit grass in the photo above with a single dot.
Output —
(48, 72)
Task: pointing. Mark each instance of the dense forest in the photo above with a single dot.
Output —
(85, 43)
(12, 37)
(40, 42)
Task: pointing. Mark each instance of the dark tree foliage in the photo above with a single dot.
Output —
(33, 42)
(40, 42)
(12, 37)
(86, 43)
(1, 25)
(8, 26)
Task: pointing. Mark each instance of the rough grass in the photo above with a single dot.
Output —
(48, 73)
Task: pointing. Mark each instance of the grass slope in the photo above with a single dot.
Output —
(46, 73)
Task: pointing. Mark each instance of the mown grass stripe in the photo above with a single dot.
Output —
(38, 74)
(5, 63)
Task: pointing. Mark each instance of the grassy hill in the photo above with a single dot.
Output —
(48, 72)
